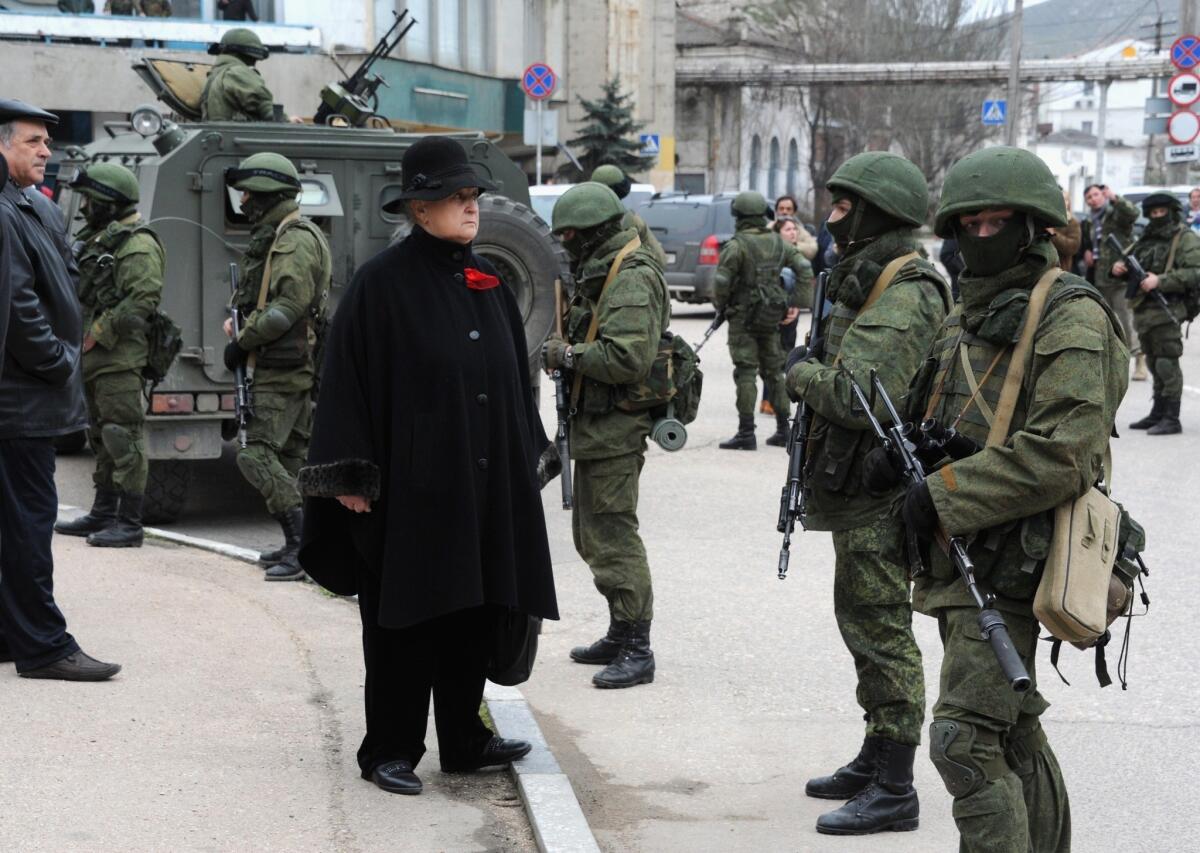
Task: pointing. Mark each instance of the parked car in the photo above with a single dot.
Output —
(544, 197)
(692, 230)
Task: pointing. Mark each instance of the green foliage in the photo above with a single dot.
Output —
(610, 135)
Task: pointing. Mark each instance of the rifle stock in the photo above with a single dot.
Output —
(241, 381)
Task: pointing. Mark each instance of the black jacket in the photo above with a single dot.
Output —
(426, 408)
(237, 10)
(41, 384)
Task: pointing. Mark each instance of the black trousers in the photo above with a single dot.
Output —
(32, 628)
(446, 656)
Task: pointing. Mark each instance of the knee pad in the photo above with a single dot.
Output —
(117, 440)
(251, 463)
(950, 745)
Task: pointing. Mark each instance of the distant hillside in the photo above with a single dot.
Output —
(1060, 28)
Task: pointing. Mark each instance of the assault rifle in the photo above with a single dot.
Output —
(354, 99)
(242, 407)
(1136, 275)
(712, 327)
(791, 500)
(562, 404)
(904, 452)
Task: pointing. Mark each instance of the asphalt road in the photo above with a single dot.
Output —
(754, 692)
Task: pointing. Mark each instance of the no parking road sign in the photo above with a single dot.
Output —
(539, 81)
(1185, 53)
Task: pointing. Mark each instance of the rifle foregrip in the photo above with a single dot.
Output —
(991, 625)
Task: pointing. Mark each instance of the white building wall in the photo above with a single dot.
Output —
(1075, 168)
(1075, 105)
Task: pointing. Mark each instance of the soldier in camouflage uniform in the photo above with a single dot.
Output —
(617, 181)
(986, 740)
(749, 291)
(1109, 213)
(879, 199)
(234, 90)
(121, 265)
(156, 8)
(608, 444)
(1170, 252)
(119, 7)
(284, 308)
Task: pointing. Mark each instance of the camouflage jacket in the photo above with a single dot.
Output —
(234, 91)
(282, 333)
(634, 312)
(1118, 220)
(1002, 498)
(156, 8)
(737, 268)
(891, 337)
(121, 271)
(1152, 250)
(649, 241)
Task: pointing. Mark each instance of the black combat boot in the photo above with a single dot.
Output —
(603, 650)
(1168, 424)
(887, 804)
(782, 426)
(1156, 414)
(291, 522)
(127, 532)
(744, 440)
(634, 663)
(103, 514)
(848, 780)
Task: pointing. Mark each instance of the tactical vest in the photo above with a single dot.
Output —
(760, 296)
(1158, 257)
(960, 387)
(98, 290)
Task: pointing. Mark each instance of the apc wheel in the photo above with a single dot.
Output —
(166, 491)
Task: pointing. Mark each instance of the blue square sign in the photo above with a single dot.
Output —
(995, 112)
(650, 143)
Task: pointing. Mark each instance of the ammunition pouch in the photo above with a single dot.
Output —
(836, 461)
(292, 349)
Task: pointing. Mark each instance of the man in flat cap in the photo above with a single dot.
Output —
(41, 396)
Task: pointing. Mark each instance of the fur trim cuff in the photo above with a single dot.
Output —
(348, 477)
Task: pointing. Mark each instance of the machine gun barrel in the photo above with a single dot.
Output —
(712, 327)
(991, 623)
(242, 405)
(1136, 275)
(354, 98)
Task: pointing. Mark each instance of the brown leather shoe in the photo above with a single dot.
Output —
(77, 667)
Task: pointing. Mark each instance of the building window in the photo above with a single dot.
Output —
(755, 160)
(449, 38)
(478, 26)
(773, 174)
(1087, 127)
(418, 43)
(793, 167)
(1089, 86)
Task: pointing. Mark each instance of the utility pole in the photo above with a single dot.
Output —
(1101, 120)
(1177, 173)
(1014, 73)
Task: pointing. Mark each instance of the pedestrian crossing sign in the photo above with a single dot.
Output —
(650, 143)
(995, 112)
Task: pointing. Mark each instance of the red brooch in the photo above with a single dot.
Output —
(478, 280)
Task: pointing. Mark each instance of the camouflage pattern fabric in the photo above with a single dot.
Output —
(234, 91)
(119, 7)
(988, 743)
(649, 241)
(156, 8)
(870, 601)
(757, 354)
(1163, 347)
(276, 446)
(605, 528)
(1114, 295)
(1119, 217)
(117, 412)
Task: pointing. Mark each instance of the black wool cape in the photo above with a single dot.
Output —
(426, 408)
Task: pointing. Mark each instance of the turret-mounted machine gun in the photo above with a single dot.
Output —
(354, 102)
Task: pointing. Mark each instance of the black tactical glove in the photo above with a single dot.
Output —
(796, 356)
(235, 356)
(879, 475)
(557, 353)
(920, 515)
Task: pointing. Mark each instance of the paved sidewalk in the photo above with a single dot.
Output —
(233, 725)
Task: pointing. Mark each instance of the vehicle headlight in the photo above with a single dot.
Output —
(146, 120)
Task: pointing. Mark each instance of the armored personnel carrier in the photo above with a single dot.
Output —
(348, 173)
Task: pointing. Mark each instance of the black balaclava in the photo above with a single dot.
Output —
(98, 214)
(258, 205)
(987, 256)
(862, 224)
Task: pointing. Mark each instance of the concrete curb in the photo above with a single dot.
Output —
(558, 822)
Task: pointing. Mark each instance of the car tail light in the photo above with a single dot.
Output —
(710, 250)
(172, 404)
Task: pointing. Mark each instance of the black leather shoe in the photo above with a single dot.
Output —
(498, 752)
(287, 569)
(743, 439)
(888, 803)
(634, 664)
(396, 777)
(847, 781)
(782, 428)
(102, 514)
(77, 667)
(604, 650)
(127, 531)
(291, 522)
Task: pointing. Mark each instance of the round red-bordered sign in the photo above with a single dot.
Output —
(1183, 127)
(1184, 89)
(539, 81)
(1185, 52)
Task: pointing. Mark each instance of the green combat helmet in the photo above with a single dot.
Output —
(608, 174)
(1161, 199)
(265, 172)
(243, 42)
(751, 203)
(586, 206)
(1000, 177)
(108, 183)
(888, 181)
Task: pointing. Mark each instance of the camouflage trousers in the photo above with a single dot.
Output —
(1163, 347)
(757, 354)
(871, 603)
(117, 411)
(276, 447)
(605, 526)
(988, 745)
(1114, 295)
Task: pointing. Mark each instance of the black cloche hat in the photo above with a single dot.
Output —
(12, 109)
(434, 168)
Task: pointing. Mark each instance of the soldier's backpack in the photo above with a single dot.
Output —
(766, 301)
(164, 340)
(1191, 294)
(675, 379)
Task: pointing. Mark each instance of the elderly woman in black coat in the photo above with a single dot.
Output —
(422, 483)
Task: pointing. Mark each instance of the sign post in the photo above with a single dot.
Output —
(539, 82)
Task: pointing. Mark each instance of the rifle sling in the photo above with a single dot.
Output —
(265, 285)
(594, 326)
(881, 284)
